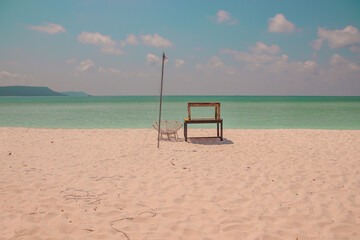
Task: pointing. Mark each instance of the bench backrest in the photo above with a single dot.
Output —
(216, 105)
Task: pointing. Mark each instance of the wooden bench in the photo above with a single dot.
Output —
(216, 119)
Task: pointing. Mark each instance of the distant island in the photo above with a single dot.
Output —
(36, 91)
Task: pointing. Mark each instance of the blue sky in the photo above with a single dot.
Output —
(114, 47)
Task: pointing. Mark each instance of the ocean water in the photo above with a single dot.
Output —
(241, 112)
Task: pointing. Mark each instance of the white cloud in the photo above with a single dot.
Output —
(272, 63)
(122, 43)
(10, 78)
(212, 63)
(336, 38)
(131, 39)
(4, 75)
(339, 61)
(96, 39)
(285, 66)
(102, 70)
(255, 59)
(152, 59)
(280, 24)
(71, 60)
(142, 74)
(179, 63)
(222, 16)
(355, 49)
(215, 63)
(113, 70)
(85, 65)
(156, 41)
(108, 70)
(50, 28)
(108, 45)
(343, 72)
(262, 54)
(263, 48)
(317, 43)
(112, 50)
(311, 65)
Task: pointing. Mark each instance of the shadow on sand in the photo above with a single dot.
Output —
(209, 141)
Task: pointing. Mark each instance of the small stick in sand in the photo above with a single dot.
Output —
(112, 225)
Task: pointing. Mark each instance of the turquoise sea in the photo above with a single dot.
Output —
(243, 112)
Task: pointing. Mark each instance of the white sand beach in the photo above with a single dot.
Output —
(116, 184)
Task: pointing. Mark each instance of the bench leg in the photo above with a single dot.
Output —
(185, 131)
(221, 131)
(217, 129)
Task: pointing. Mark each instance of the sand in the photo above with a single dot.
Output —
(116, 184)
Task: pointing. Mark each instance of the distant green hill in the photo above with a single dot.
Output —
(27, 91)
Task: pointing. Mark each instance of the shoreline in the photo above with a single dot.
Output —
(115, 183)
(181, 129)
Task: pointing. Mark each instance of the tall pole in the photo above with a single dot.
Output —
(161, 88)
